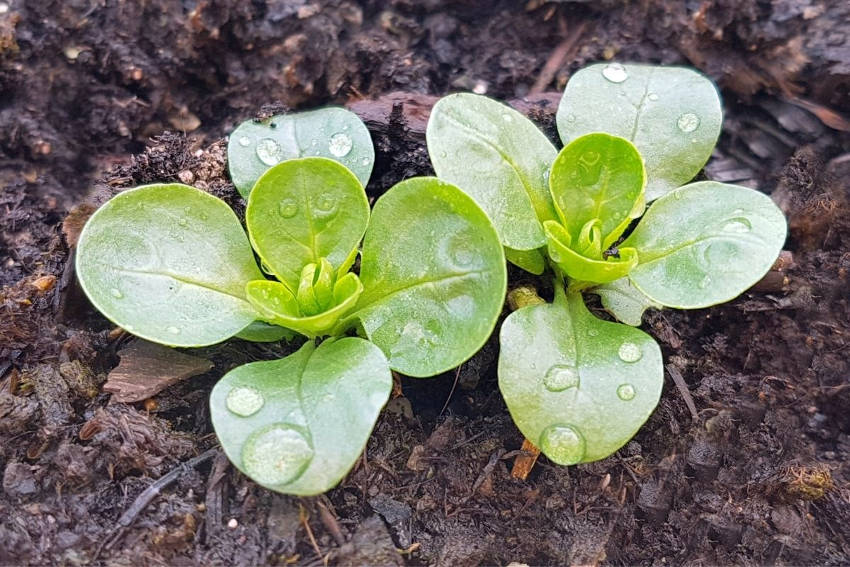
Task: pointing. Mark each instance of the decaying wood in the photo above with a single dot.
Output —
(147, 368)
(525, 460)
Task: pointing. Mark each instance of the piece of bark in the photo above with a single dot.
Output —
(148, 368)
(525, 461)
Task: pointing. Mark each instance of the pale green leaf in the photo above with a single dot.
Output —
(531, 261)
(303, 210)
(434, 276)
(297, 425)
(262, 332)
(671, 114)
(334, 133)
(576, 386)
(498, 157)
(705, 243)
(582, 268)
(624, 301)
(168, 263)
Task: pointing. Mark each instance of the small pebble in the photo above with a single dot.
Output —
(232, 524)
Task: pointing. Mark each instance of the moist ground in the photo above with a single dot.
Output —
(755, 472)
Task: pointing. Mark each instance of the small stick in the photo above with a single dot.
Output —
(525, 461)
(556, 59)
(329, 521)
(683, 389)
(302, 515)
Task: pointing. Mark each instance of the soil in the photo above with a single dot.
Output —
(745, 462)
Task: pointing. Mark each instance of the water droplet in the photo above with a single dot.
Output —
(340, 144)
(462, 253)
(443, 154)
(593, 332)
(203, 216)
(173, 330)
(244, 141)
(560, 377)
(626, 392)
(563, 444)
(507, 117)
(182, 222)
(652, 96)
(546, 175)
(244, 401)
(276, 454)
(629, 352)
(268, 151)
(615, 73)
(116, 293)
(705, 282)
(738, 225)
(364, 161)
(288, 207)
(314, 141)
(571, 118)
(688, 122)
(325, 203)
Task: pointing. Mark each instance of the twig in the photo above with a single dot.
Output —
(454, 385)
(683, 389)
(146, 497)
(556, 59)
(329, 520)
(302, 515)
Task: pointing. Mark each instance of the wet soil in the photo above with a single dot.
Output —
(745, 461)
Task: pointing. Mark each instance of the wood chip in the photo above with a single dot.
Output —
(148, 368)
(525, 462)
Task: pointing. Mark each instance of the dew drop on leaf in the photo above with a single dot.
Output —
(629, 352)
(288, 207)
(182, 222)
(325, 203)
(116, 293)
(340, 144)
(738, 225)
(276, 454)
(705, 282)
(626, 392)
(571, 118)
(564, 444)
(507, 117)
(244, 141)
(173, 330)
(268, 151)
(560, 377)
(244, 401)
(688, 122)
(615, 73)
(652, 97)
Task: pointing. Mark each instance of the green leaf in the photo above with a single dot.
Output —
(168, 263)
(434, 276)
(582, 268)
(277, 305)
(576, 386)
(499, 158)
(598, 177)
(624, 301)
(531, 261)
(261, 332)
(303, 210)
(297, 425)
(705, 243)
(334, 133)
(671, 114)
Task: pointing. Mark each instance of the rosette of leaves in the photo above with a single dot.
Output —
(172, 264)
(577, 386)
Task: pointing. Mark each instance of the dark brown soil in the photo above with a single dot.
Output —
(758, 474)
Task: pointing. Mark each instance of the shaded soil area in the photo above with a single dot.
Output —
(745, 461)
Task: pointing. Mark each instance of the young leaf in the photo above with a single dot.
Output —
(671, 114)
(297, 425)
(276, 304)
(705, 243)
(576, 386)
(303, 210)
(334, 133)
(498, 157)
(529, 260)
(434, 276)
(582, 268)
(168, 263)
(624, 301)
(598, 176)
(261, 332)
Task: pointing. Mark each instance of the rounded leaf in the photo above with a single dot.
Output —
(262, 332)
(168, 263)
(498, 157)
(303, 210)
(576, 386)
(297, 425)
(624, 301)
(671, 114)
(705, 243)
(598, 176)
(334, 133)
(434, 276)
(582, 268)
